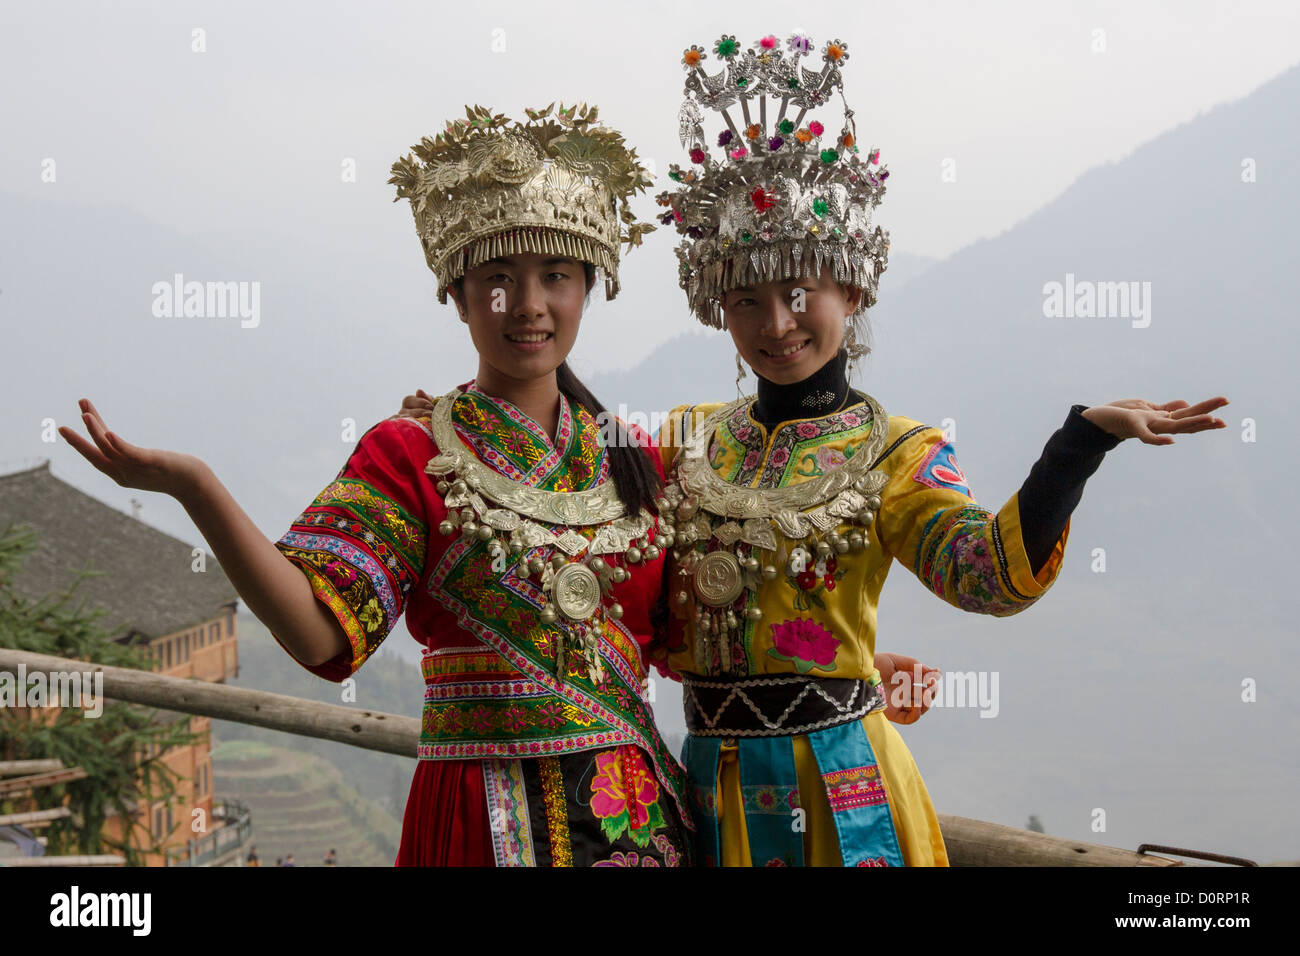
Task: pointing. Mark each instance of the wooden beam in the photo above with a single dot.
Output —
(106, 859)
(34, 818)
(16, 785)
(9, 768)
(980, 843)
(371, 730)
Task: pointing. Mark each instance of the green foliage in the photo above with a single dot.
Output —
(121, 750)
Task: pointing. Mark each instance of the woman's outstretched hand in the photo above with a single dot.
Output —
(416, 406)
(149, 469)
(1136, 418)
(272, 587)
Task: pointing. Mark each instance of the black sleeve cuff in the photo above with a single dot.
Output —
(1055, 483)
(1082, 436)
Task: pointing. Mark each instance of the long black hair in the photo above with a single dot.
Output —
(633, 472)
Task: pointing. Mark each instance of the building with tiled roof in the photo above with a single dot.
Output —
(160, 594)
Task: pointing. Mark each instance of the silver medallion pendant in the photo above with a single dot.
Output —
(718, 580)
(576, 591)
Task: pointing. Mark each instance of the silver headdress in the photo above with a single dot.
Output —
(556, 184)
(785, 199)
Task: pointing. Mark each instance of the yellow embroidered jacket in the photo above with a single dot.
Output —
(822, 621)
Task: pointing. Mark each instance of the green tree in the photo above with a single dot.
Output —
(1035, 824)
(121, 750)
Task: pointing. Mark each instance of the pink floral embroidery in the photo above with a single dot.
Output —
(340, 572)
(551, 715)
(829, 458)
(805, 643)
(751, 460)
(976, 566)
(609, 791)
(628, 803)
(480, 720)
(780, 456)
(515, 443)
(471, 414)
(850, 419)
(806, 430)
(514, 719)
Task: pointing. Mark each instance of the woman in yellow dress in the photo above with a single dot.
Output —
(785, 511)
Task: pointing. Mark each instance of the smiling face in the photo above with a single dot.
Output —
(785, 331)
(523, 313)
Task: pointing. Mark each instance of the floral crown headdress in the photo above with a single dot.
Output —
(785, 199)
(557, 184)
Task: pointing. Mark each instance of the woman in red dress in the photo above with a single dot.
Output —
(514, 526)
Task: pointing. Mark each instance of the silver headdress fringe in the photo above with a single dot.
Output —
(706, 285)
(551, 242)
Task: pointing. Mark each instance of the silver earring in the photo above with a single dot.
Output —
(854, 349)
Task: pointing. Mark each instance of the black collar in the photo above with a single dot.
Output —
(823, 392)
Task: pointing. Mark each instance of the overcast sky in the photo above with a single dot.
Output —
(250, 134)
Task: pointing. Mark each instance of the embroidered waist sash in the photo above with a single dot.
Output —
(779, 705)
(477, 705)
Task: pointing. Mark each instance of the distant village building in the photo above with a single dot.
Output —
(156, 600)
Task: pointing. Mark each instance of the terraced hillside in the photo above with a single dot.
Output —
(301, 805)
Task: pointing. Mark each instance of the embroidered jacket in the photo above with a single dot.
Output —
(370, 546)
(823, 621)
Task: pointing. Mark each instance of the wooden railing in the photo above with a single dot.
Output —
(969, 842)
(24, 777)
(234, 833)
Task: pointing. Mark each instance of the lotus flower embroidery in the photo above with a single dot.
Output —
(805, 643)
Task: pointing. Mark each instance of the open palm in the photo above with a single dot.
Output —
(1154, 424)
(148, 469)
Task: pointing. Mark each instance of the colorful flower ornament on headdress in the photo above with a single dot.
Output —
(781, 199)
(557, 185)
